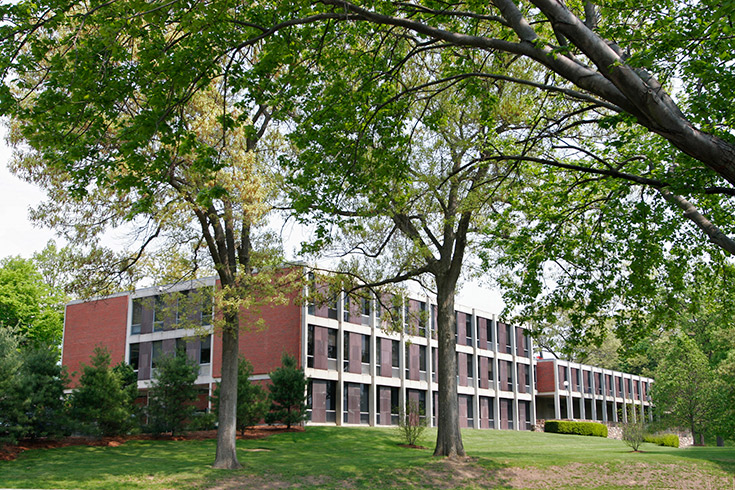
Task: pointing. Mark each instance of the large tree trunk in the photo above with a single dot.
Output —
(448, 438)
(226, 457)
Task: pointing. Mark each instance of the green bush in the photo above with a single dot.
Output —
(671, 440)
(579, 428)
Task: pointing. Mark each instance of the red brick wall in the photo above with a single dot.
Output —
(102, 322)
(545, 376)
(263, 345)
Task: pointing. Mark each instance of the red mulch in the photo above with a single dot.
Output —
(412, 446)
(9, 452)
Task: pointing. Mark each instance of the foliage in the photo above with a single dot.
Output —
(578, 428)
(670, 440)
(634, 433)
(32, 404)
(411, 423)
(172, 394)
(287, 393)
(104, 402)
(684, 391)
(30, 305)
(202, 421)
(252, 399)
(10, 363)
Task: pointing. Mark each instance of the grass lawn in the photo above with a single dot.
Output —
(361, 458)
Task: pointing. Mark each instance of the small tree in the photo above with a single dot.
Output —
(173, 393)
(288, 393)
(411, 423)
(104, 403)
(39, 397)
(633, 433)
(31, 390)
(252, 399)
(10, 362)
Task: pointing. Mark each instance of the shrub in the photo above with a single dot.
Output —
(671, 440)
(104, 402)
(173, 393)
(288, 393)
(633, 434)
(252, 399)
(578, 428)
(202, 421)
(411, 423)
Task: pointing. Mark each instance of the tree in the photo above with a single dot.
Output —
(252, 399)
(121, 87)
(683, 393)
(404, 193)
(104, 402)
(33, 401)
(287, 393)
(173, 393)
(28, 304)
(190, 191)
(10, 363)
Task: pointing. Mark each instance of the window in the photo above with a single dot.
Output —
(395, 353)
(137, 319)
(365, 307)
(156, 352)
(331, 344)
(470, 366)
(365, 349)
(407, 364)
(207, 308)
(470, 412)
(134, 356)
(346, 351)
(331, 401)
(422, 318)
(205, 350)
(395, 405)
(346, 309)
(180, 347)
(489, 333)
(158, 309)
(311, 309)
(310, 347)
(490, 363)
(508, 337)
(182, 304)
(422, 359)
(332, 308)
(468, 328)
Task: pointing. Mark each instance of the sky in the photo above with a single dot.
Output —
(20, 237)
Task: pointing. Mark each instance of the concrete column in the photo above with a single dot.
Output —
(475, 375)
(373, 367)
(340, 362)
(557, 405)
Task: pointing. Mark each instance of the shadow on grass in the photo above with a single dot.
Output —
(723, 457)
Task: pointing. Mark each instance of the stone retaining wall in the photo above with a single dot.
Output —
(615, 431)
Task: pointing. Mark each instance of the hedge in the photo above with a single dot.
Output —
(579, 428)
(671, 440)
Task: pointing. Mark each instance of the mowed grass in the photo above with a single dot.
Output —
(362, 458)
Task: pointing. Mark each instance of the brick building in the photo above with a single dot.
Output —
(359, 373)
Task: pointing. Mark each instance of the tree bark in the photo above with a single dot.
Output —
(226, 456)
(449, 437)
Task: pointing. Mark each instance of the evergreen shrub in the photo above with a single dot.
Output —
(671, 440)
(578, 428)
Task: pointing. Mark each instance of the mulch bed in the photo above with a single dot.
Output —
(9, 452)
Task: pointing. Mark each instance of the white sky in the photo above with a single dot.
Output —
(20, 237)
